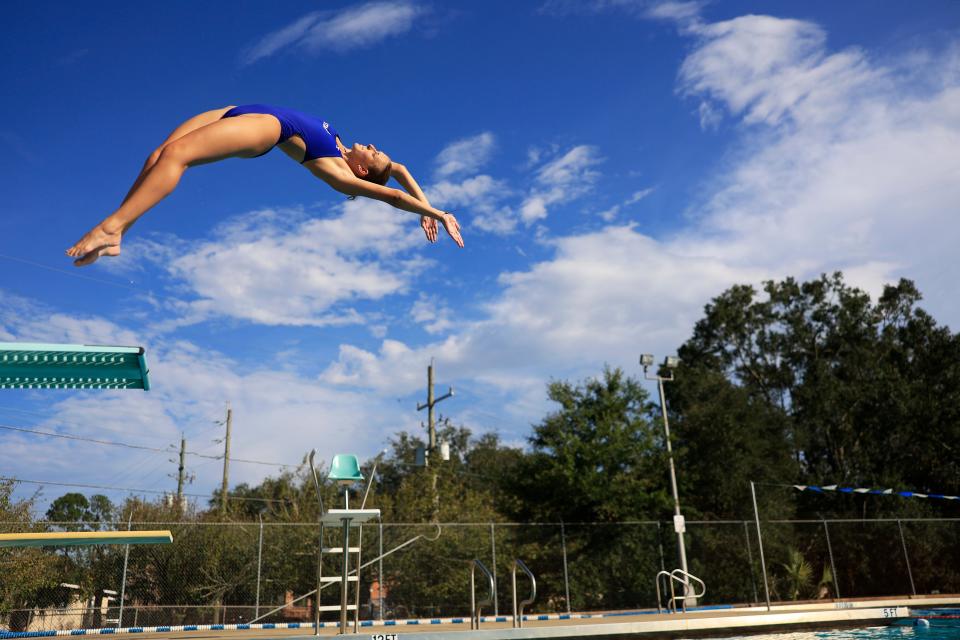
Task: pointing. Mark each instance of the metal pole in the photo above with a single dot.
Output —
(763, 562)
(566, 576)
(753, 573)
(676, 497)
(836, 578)
(181, 477)
(123, 582)
(316, 609)
(226, 464)
(344, 573)
(663, 567)
(493, 552)
(356, 602)
(256, 613)
(432, 431)
(903, 543)
(380, 561)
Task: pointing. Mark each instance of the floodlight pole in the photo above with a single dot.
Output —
(670, 363)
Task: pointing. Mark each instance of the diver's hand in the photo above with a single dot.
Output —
(453, 228)
(429, 228)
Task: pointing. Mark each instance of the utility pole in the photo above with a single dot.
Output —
(226, 463)
(431, 402)
(432, 430)
(180, 472)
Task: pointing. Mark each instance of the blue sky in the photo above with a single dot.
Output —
(614, 165)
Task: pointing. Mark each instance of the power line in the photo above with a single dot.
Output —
(127, 445)
(70, 273)
(9, 427)
(232, 459)
(61, 422)
(131, 490)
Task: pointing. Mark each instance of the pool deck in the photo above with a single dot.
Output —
(707, 621)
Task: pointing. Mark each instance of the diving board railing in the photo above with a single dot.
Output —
(71, 366)
(74, 538)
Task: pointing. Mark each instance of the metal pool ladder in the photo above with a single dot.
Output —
(683, 578)
(474, 605)
(518, 616)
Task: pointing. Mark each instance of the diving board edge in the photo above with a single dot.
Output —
(74, 538)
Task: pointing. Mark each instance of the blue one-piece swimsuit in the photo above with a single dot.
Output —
(319, 137)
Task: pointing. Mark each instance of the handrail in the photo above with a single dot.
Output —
(474, 605)
(422, 536)
(683, 577)
(518, 619)
(670, 605)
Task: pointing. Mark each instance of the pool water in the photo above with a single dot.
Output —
(944, 625)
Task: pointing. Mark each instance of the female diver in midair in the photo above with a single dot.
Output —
(247, 132)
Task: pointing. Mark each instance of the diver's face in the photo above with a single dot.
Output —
(366, 157)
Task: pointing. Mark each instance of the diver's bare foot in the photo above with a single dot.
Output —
(97, 242)
(91, 257)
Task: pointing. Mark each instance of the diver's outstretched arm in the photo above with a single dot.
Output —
(407, 181)
(354, 186)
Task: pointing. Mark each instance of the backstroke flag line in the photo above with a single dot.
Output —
(874, 492)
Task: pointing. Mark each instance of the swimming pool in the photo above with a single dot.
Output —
(944, 624)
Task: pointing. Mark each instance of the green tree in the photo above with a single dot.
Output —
(77, 510)
(817, 383)
(599, 458)
(856, 382)
(28, 575)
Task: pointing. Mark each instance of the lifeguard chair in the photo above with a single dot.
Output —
(345, 471)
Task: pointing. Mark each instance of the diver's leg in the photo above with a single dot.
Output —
(242, 136)
(194, 123)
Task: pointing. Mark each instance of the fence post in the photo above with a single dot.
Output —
(380, 563)
(663, 567)
(903, 543)
(493, 551)
(123, 581)
(566, 577)
(256, 608)
(836, 578)
(763, 562)
(753, 573)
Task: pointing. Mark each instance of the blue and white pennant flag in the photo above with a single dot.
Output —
(873, 492)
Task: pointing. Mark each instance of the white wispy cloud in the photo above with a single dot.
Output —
(464, 157)
(610, 214)
(483, 197)
(494, 206)
(565, 178)
(678, 11)
(352, 28)
(764, 69)
(432, 313)
(281, 267)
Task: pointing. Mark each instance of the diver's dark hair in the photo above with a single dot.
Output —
(380, 177)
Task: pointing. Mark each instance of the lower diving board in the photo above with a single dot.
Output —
(72, 538)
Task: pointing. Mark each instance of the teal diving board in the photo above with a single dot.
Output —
(71, 366)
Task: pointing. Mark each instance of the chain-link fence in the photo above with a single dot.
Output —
(241, 572)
